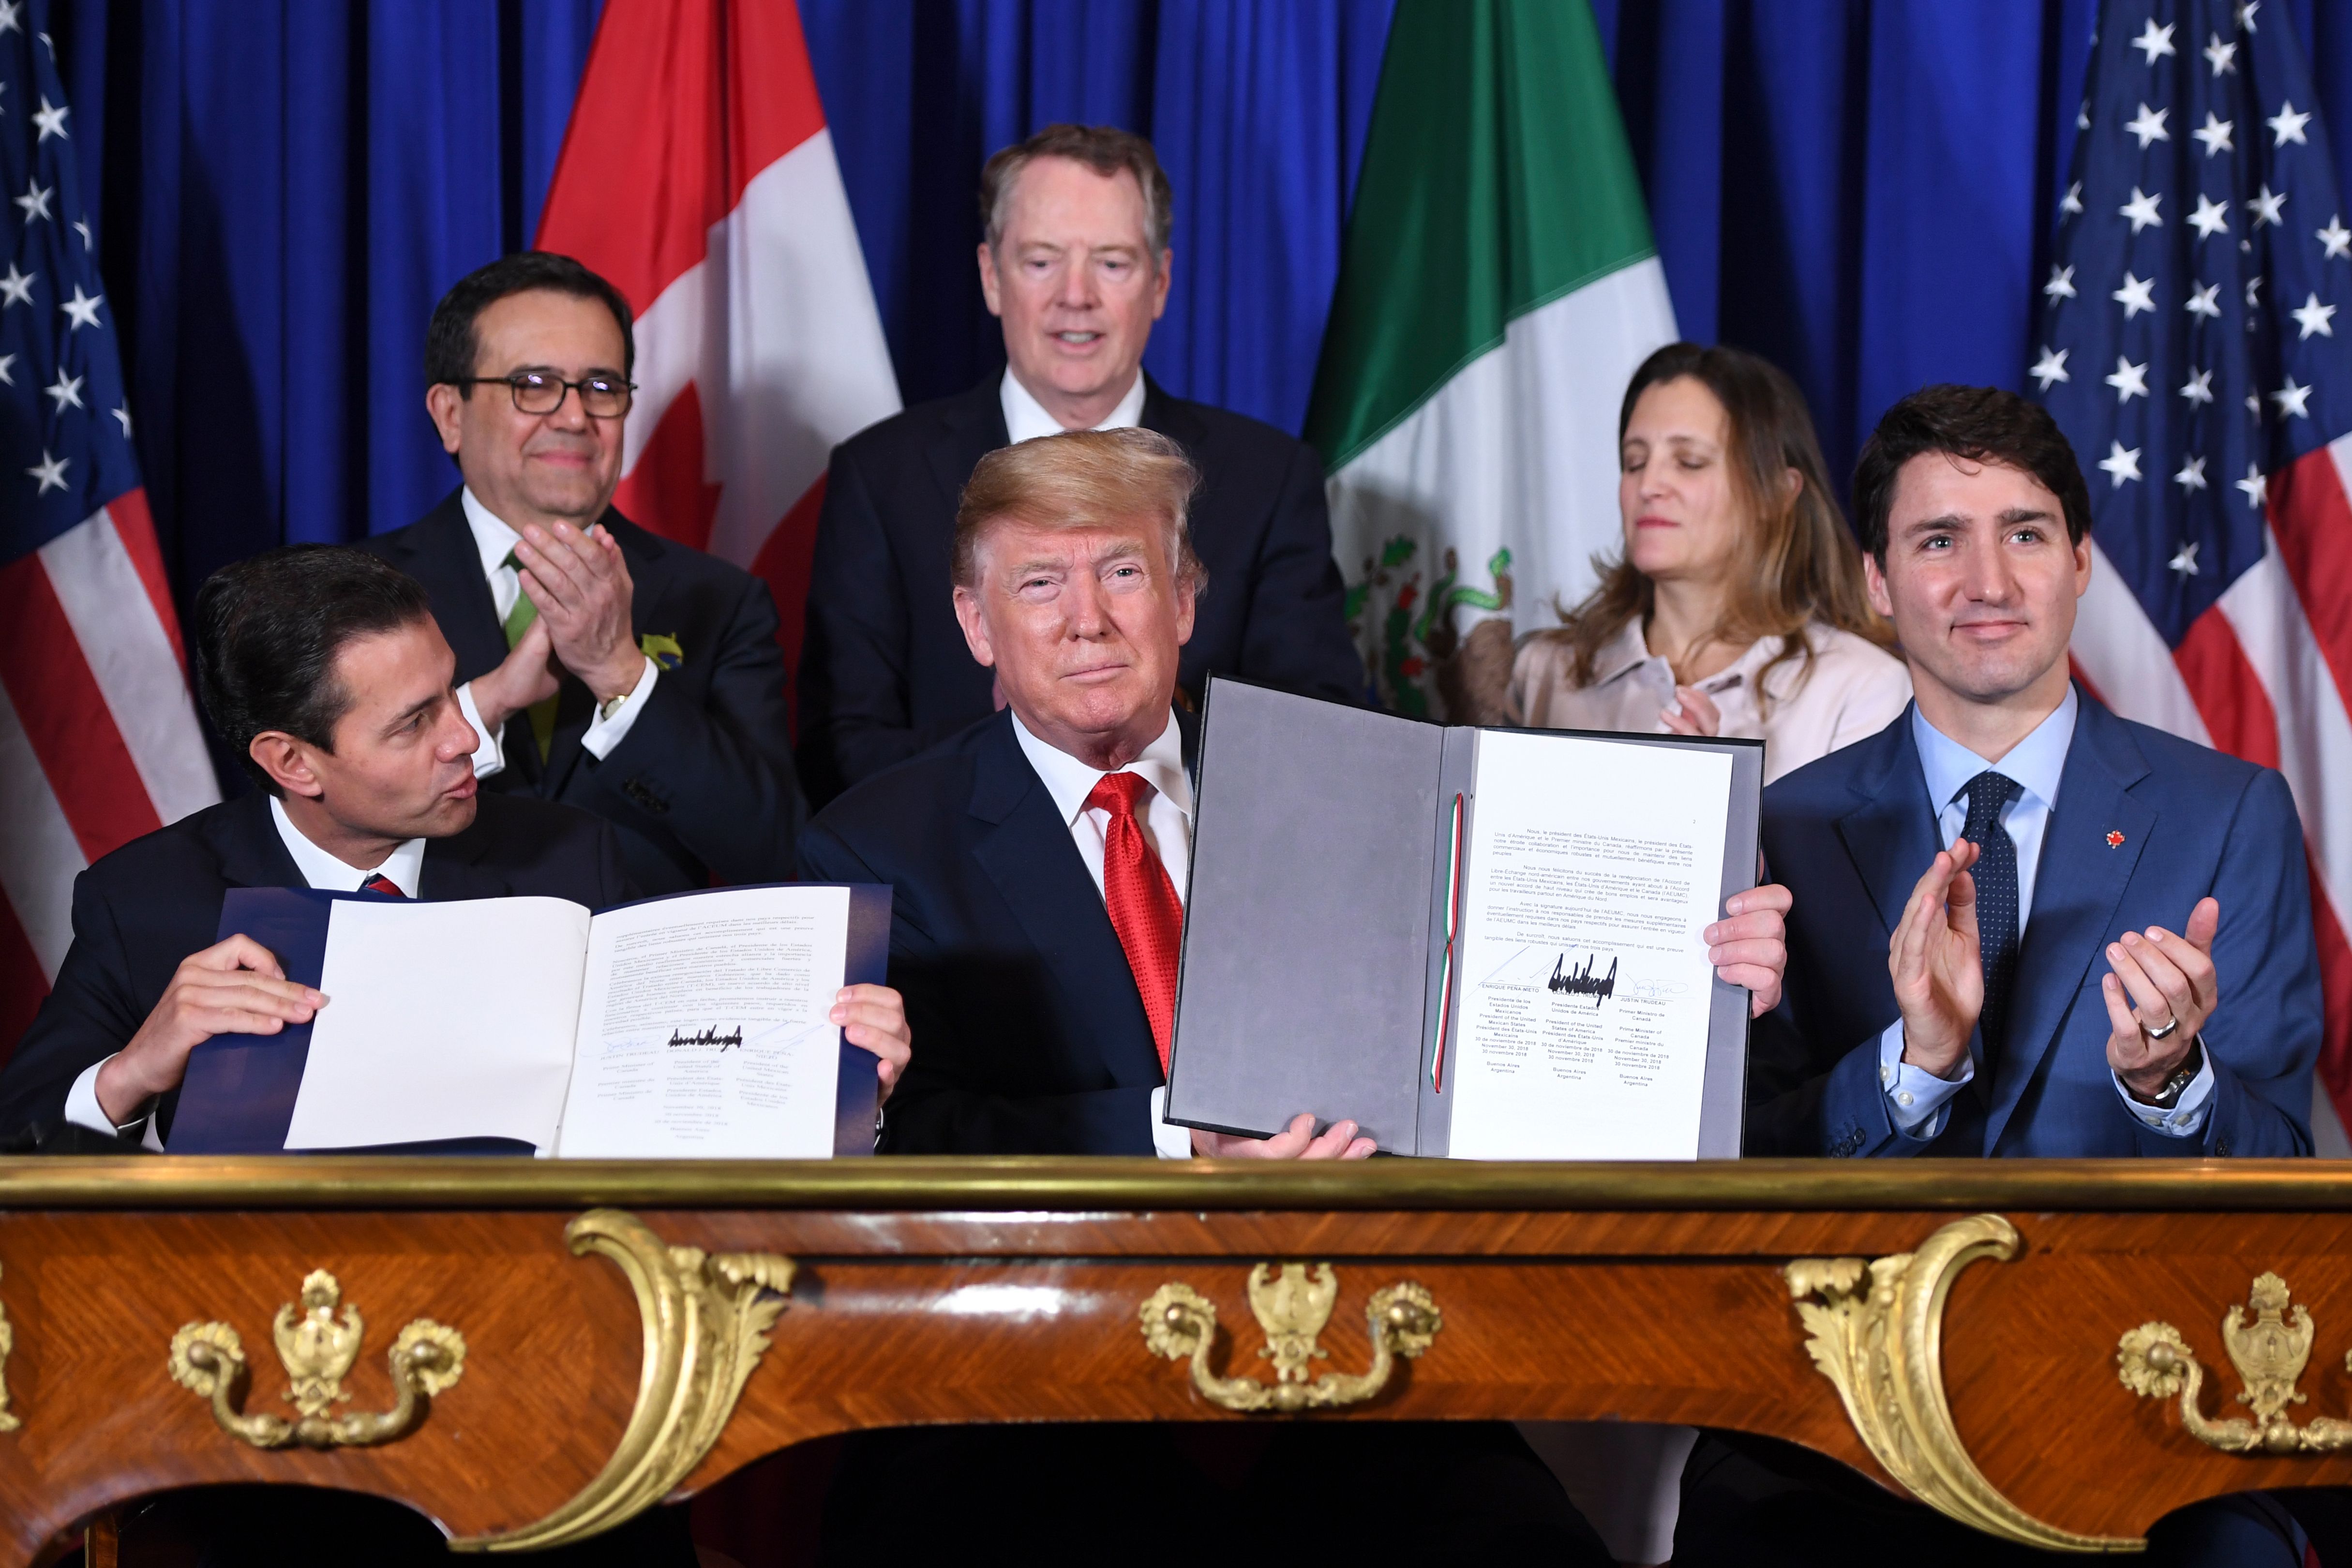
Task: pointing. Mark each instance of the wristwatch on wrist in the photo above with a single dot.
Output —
(2168, 1094)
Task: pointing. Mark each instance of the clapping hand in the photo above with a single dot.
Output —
(581, 587)
(523, 677)
(2159, 979)
(1932, 958)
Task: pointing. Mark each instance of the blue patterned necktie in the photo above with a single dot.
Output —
(1996, 878)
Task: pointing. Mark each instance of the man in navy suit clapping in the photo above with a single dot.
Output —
(2098, 934)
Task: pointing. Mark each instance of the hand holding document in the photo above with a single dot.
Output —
(695, 1026)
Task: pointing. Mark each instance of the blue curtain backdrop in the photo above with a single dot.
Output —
(1861, 189)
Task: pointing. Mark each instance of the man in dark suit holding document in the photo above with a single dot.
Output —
(323, 668)
(1037, 858)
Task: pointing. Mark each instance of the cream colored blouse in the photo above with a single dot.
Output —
(1853, 689)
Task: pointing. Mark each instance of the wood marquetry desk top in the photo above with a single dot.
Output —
(529, 1351)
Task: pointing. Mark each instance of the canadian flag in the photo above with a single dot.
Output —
(698, 175)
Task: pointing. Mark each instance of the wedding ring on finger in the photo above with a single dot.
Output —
(2171, 1027)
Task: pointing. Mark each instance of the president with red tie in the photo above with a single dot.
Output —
(1038, 859)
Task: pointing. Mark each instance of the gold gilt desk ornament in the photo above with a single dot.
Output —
(9, 1421)
(706, 1318)
(1876, 1332)
(1293, 1310)
(2270, 1354)
(318, 1351)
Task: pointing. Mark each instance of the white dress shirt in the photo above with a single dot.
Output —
(1026, 418)
(1167, 823)
(494, 541)
(403, 868)
(1916, 1098)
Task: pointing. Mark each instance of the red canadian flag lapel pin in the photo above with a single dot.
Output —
(2114, 838)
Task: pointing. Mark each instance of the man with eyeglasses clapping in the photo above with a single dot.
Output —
(604, 666)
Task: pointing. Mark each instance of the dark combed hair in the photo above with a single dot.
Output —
(451, 347)
(1976, 425)
(1104, 149)
(268, 633)
(1797, 562)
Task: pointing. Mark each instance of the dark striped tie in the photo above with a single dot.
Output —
(378, 883)
(1996, 878)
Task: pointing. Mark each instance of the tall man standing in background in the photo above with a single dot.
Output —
(603, 666)
(1076, 265)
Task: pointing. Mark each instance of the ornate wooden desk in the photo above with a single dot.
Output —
(528, 1352)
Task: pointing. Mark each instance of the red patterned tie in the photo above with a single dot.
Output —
(1142, 901)
(378, 883)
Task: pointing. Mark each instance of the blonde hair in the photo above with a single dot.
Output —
(1081, 480)
(1797, 562)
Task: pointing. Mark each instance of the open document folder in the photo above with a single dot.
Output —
(1482, 943)
(694, 1025)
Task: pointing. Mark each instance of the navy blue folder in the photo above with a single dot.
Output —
(238, 1095)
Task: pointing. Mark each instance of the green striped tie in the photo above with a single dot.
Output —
(518, 620)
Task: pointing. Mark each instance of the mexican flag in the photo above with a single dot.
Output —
(1497, 289)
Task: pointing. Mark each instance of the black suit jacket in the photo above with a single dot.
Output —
(1029, 1036)
(885, 671)
(138, 911)
(702, 786)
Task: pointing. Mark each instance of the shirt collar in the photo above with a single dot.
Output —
(325, 872)
(2035, 763)
(1026, 418)
(1069, 781)
(1630, 650)
(492, 538)
(1626, 651)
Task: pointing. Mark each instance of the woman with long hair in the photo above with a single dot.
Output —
(1737, 605)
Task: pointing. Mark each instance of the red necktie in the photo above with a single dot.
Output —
(1142, 901)
(378, 883)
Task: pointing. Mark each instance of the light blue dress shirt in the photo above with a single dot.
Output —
(1917, 1099)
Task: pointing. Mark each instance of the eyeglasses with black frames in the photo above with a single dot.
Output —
(543, 391)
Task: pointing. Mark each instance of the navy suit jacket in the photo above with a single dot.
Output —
(702, 788)
(138, 911)
(1852, 833)
(1029, 1036)
(885, 671)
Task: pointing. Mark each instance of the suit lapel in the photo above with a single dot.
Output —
(251, 853)
(1025, 849)
(453, 868)
(1171, 417)
(1891, 834)
(970, 428)
(439, 553)
(2080, 882)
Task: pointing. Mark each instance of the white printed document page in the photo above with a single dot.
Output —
(703, 1028)
(443, 1020)
(1592, 867)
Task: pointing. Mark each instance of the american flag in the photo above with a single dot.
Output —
(98, 738)
(2196, 348)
